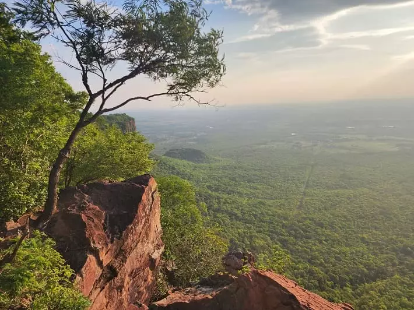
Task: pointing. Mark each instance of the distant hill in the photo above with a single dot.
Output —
(193, 155)
(123, 121)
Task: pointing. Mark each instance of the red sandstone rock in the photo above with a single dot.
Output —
(257, 290)
(110, 234)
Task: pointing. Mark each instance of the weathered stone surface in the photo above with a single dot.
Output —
(110, 234)
(234, 261)
(258, 290)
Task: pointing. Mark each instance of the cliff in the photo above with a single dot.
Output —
(110, 234)
(258, 290)
(123, 121)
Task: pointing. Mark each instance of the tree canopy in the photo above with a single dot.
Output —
(107, 154)
(195, 248)
(38, 109)
(160, 39)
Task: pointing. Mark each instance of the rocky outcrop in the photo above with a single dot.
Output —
(235, 261)
(110, 234)
(130, 126)
(123, 121)
(256, 290)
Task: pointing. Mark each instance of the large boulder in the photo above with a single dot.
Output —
(110, 234)
(258, 290)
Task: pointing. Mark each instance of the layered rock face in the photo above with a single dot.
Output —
(256, 290)
(110, 234)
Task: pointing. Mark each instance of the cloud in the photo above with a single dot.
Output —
(356, 47)
(371, 33)
(277, 41)
(251, 37)
(294, 11)
(377, 20)
(246, 55)
(334, 22)
(404, 57)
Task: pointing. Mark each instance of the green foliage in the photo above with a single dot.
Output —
(393, 293)
(38, 278)
(195, 248)
(162, 39)
(7, 32)
(343, 243)
(278, 260)
(335, 217)
(37, 109)
(123, 121)
(107, 154)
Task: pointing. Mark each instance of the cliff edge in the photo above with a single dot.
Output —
(110, 234)
(256, 290)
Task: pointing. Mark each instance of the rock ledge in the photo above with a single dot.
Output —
(258, 290)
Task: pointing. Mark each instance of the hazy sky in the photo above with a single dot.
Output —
(287, 51)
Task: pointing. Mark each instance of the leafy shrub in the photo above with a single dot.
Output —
(195, 248)
(107, 153)
(38, 278)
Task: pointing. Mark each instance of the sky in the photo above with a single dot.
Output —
(316, 50)
(302, 51)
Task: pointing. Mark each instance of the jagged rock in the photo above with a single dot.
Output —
(110, 234)
(256, 290)
(234, 261)
(14, 228)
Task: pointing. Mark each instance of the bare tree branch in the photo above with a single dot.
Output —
(75, 49)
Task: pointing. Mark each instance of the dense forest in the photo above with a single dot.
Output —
(327, 205)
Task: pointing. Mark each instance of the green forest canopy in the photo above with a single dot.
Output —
(329, 207)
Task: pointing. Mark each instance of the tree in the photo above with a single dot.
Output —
(195, 248)
(107, 154)
(38, 108)
(160, 39)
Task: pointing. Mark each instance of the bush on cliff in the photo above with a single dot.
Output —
(107, 154)
(195, 248)
(38, 278)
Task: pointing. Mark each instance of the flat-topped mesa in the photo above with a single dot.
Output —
(256, 290)
(110, 234)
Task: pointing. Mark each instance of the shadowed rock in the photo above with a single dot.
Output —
(256, 290)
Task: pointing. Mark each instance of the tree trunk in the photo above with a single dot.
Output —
(54, 176)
